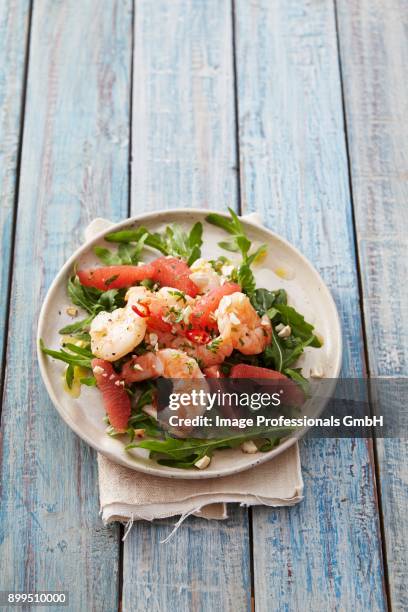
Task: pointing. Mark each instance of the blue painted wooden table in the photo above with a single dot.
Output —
(293, 108)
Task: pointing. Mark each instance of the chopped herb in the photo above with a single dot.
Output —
(110, 280)
(178, 294)
(214, 345)
(218, 263)
(148, 283)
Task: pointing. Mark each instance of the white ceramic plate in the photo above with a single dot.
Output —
(284, 267)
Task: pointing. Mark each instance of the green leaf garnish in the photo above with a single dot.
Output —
(297, 376)
(74, 359)
(263, 300)
(93, 301)
(185, 452)
(108, 257)
(89, 381)
(300, 328)
(240, 241)
(246, 279)
(78, 327)
(69, 375)
(173, 241)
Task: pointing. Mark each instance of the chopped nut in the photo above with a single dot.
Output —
(198, 277)
(137, 366)
(186, 314)
(285, 331)
(226, 270)
(120, 383)
(72, 311)
(234, 319)
(150, 411)
(153, 338)
(316, 372)
(202, 463)
(249, 447)
(98, 370)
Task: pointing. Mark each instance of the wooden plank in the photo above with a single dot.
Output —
(14, 24)
(183, 106)
(74, 166)
(324, 554)
(184, 155)
(374, 56)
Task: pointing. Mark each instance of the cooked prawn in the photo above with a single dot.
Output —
(169, 309)
(213, 353)
(168, 363)
(114, 334)
(238, 321)
(204, 276)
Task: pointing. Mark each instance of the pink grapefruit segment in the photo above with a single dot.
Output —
(115, 399)
(293, 394)
(206, 305)
(167, 271)
(173, 272)
(114, 277)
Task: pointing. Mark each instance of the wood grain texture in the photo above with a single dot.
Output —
(74, 166)
(324, 554)
(374, 56)
(14, 24)
(184, 155)
(183, 105)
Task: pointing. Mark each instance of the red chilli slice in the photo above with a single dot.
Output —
(141, 309)
(199, 336)
(115, 399)
(114, 277)
(155, 320)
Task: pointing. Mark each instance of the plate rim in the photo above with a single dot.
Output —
(137, 466)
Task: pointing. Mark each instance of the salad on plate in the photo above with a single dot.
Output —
(178, 316)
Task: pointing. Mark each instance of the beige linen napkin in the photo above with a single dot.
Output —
(127, 495)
